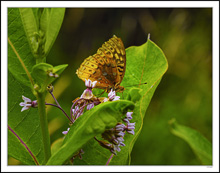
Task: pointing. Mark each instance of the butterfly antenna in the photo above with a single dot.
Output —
(101, 93)
(137, 84)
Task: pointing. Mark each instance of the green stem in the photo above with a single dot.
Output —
(38, 60)
(44, 126)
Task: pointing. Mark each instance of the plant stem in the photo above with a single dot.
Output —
(38, 61)
(44, 126)
(110, 158)
(55, 99)
(61, 110)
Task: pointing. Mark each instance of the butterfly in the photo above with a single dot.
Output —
(107, 66)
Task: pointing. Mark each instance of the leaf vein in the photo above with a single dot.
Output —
(32, 133)
(22, 63)
(22, 120)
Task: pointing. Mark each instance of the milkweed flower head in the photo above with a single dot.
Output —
(115, 136)
(87, 94)
(112, 96)
(87, 100)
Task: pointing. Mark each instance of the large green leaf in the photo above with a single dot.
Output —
(151, 66)
(20, 57)
(31, 26)
(199, 144)
(90, 124)
(145, 63)
(23, 124)
(24, 136)
(50, 23)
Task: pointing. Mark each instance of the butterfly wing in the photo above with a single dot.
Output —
(107, 66)
(93, 70)
(118, 50)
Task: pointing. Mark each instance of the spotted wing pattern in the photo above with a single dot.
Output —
(107, 66)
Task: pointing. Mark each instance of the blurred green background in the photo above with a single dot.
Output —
(184, 93)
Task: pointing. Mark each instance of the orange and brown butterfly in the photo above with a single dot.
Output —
(107, 66)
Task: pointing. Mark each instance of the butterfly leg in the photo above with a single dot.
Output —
(101, 93)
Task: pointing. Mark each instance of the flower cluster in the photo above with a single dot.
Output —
(115, 136)
(111, 96)
(87, 100)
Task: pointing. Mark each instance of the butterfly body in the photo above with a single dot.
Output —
(107, 66)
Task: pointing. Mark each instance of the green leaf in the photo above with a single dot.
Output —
(145, 63)
(37, 13)
(41, 71)
(50, 23)
(31, 27)
(41, 27)
(56, 145)
(59, 69)
(134, 95)
(20, 57)
(26, 40)
(93, 122)
(199, 144)
(150, 65)
(25, 124)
